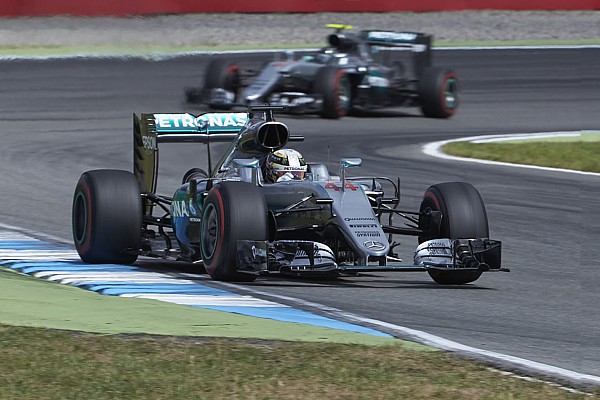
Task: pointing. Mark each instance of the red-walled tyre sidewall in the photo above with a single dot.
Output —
(438, 92)
(232, 211)
(107, 217)
(334, 87)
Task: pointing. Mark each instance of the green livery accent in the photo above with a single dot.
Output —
(205, 123)
(186, 212)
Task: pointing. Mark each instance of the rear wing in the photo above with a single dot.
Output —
(415, 40)
(149, 130)
(418, 43)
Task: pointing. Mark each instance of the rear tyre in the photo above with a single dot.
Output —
(463, 217)
(232, 211)
(333, 85)
(107, 217)
(438, 92)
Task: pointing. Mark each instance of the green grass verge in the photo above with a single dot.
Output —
(45, 364)
(579, 154)
(98, 348)
(27, 301)
(577, 42)
(148, 50)
(143, 50)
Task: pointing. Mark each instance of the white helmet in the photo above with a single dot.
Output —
(285, 165)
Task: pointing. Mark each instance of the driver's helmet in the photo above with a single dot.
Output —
(285, 165)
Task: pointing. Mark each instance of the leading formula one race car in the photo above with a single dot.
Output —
(354, 72)
(239, 226)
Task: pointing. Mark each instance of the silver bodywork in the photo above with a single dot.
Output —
(323, 224)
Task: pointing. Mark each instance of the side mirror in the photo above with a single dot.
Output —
(248, 169)
(347, 163)
(246, 163)
(351, 162)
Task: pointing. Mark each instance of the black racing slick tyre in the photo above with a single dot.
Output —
(232, 211)
(107, 217)
(194, 173)
(438, 92)
(463, 217)
(333, 85)
(225, 74)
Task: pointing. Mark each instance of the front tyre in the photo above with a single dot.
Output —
(438, 92)
(463, 217)
(107, 217)
(232, 211)
(333, 85)
(222, 74)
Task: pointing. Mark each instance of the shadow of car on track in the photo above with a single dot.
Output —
(362, 280)
(352, 282)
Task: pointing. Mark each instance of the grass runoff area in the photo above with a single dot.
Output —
(61, 342)
(578, 153)
(150, 50)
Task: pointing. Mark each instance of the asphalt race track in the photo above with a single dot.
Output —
(64, 116)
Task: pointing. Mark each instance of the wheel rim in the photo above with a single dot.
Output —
(450, 93)
(210, 231)
(80, 218)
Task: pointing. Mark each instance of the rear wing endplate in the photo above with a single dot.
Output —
(151, 129)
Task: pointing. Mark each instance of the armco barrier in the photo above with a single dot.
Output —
(19, 8)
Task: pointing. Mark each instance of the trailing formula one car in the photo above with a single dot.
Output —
(353, 72)
(239, 226)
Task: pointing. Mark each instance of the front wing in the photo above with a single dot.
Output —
(306, 257)
(294, 102)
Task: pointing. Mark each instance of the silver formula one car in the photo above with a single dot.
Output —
(363, 71)
(238, 226)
